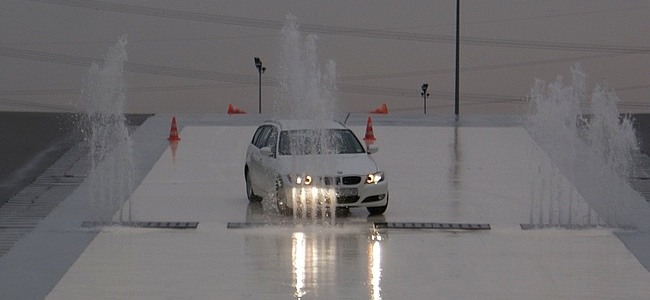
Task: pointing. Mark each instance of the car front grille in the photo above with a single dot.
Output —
(347, 199)
(342, 180)
(350, 180)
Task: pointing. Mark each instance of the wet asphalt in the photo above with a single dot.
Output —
(32, 141)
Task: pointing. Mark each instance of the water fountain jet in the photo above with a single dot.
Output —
(103, 104)
(592, 151)
(307, 92)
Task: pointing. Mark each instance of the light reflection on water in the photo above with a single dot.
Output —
(374, 266)
(311, 201)
(299, 257)
(337, 259)
(317, 261)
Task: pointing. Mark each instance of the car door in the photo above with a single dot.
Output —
(269, 163)
(255, 168)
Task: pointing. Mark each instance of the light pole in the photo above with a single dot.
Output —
(457, 87)
(424, 94)
(260, 69)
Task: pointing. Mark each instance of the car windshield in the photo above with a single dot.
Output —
(319, 141)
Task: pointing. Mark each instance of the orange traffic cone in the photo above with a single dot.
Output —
(234, 110)
(173, 133)
(370, 135)
(383, 109)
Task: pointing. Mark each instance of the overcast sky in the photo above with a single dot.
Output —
(197, 56)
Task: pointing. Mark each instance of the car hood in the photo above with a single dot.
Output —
(329, 165)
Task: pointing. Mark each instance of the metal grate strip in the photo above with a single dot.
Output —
(142, 224)
(383, 225)
(25, 210)
(437, 226)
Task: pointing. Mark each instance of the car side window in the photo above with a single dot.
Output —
(257, 134)
(272, 140)
(261, 136)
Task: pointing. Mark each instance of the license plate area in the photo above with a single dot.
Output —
(347, 192)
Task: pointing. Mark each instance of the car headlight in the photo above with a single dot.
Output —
(301, 179)
(374, 178)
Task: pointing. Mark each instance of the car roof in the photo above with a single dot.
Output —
(299, 124)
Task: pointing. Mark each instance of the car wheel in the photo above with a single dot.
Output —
(378, 210)
(281, 199)
(255, 212)
(249, 190)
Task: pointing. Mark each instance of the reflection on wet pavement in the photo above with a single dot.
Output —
(319, 261)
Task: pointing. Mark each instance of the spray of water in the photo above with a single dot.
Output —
(557, 117)
(307, 92)
(103, 103)
(589, 142)
(610, 135)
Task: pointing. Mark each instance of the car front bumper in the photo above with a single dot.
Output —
(361, 195)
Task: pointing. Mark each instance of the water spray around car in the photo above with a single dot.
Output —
(313, 169)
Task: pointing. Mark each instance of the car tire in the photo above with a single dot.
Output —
(378, 210)
(281, 199)
(249, 189)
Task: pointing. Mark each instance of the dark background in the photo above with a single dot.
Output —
(33, 141)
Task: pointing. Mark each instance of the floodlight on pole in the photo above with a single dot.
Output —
(457, 81)
(424, 94)
(260, 69)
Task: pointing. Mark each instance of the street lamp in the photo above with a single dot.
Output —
(424, 94)
(457, 83)
(260, 69)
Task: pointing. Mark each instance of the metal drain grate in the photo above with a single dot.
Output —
(443, 226)
(243, 225)
(22, 213)
(240, 225)
(571, 226)
(161, 225)
(380, 225)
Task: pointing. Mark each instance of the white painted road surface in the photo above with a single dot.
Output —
(494, 175)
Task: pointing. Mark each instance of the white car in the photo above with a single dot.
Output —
(302, 163)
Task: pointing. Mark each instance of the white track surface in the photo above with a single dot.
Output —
(436, 174)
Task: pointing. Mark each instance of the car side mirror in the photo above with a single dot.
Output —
(372, 149)
(266, 151)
